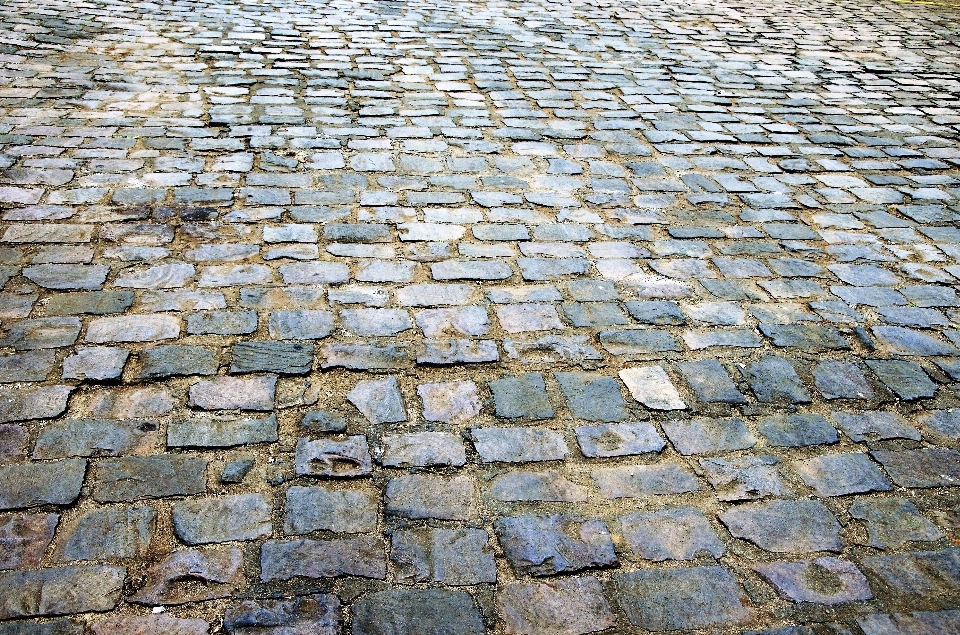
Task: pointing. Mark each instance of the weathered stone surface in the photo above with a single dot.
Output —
(177, 359)
(233, 393)
(517, 445)
(150, 625)
(60, 591)
(875, 425)
(632, 481)
(651, 386)
(521, 396)
(349, 511)
(34, 484)
(106, 533)
(592, 397)
(457, 557)
(13, 442)
(710, 382)
(416, 496)
(135, 477)
(27, 366)
(94, 437)
(919, 623)
(941, 424)
(891, 522)
(568, 606)
(904, 378)
(704, 436)
(547, 545)
(928, 467)
(919, 576)
(287, 358)
(24, 539)
(417, 612)
(421, 449)
(218, 569)
(450, 402)
(839, 474)
(133, 328)
(822, 581)
(221, 431)
(317, 614)
(537, 486)
(684, 598)
(24, 404)
(303, 324)
(797, 430)
(361, 556)
(96, 363)
(205, 520)
(670, 534)
(329, 458)
(745, 478)
(379, 400)
(619, 439)
(785, 526)
(774, 379)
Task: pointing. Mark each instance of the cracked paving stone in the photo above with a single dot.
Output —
(547, 545)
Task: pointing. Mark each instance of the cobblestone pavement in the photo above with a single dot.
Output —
(459, 317)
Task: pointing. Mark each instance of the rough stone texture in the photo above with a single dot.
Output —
(239, 517)
(382, 273)
(457, 557)
(547, 545)
(823, 581)
(671, 534)
(684, 598)
(317, 614)
(417, 612)
(360, 556)
(785, 526)
(60, 590)
(149, 624)
(569, 606)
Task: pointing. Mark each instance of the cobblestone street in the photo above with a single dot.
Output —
(467, 317)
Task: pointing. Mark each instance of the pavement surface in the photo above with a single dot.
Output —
(464, 317)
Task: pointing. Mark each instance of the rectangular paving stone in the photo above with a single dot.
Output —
(703, 435)
(362, 556)
(518, 445)
(287, 358)
(34, 484)
(457, 557)
(592, 397)
(683, 598)
(60, 590)
(635, 481)
(221, 431)
(136, 477)
(926, 467)
(547, 545)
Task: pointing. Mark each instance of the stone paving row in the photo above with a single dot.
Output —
(454, 318)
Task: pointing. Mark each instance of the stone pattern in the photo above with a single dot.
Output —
(450, 318)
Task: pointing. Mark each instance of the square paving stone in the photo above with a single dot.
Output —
(773, 379)
(636, 481)
(547, 545)
(361, 556)
(427, 496)
(24, 538)
(904, 378)
(683, 598)
(326, 508)
(379, 400)
(592, 397)
(841, 380)
(521, 396)
(670, 534)
(931, 577)
(745, 477)
(317, 614)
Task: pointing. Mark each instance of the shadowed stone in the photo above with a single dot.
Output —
(60, 591)
(919, 623)
(33, 484)
(24, 539)
(567, 606)
(920, 576)
(317, 614)
(417, 612)
(684, 598)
